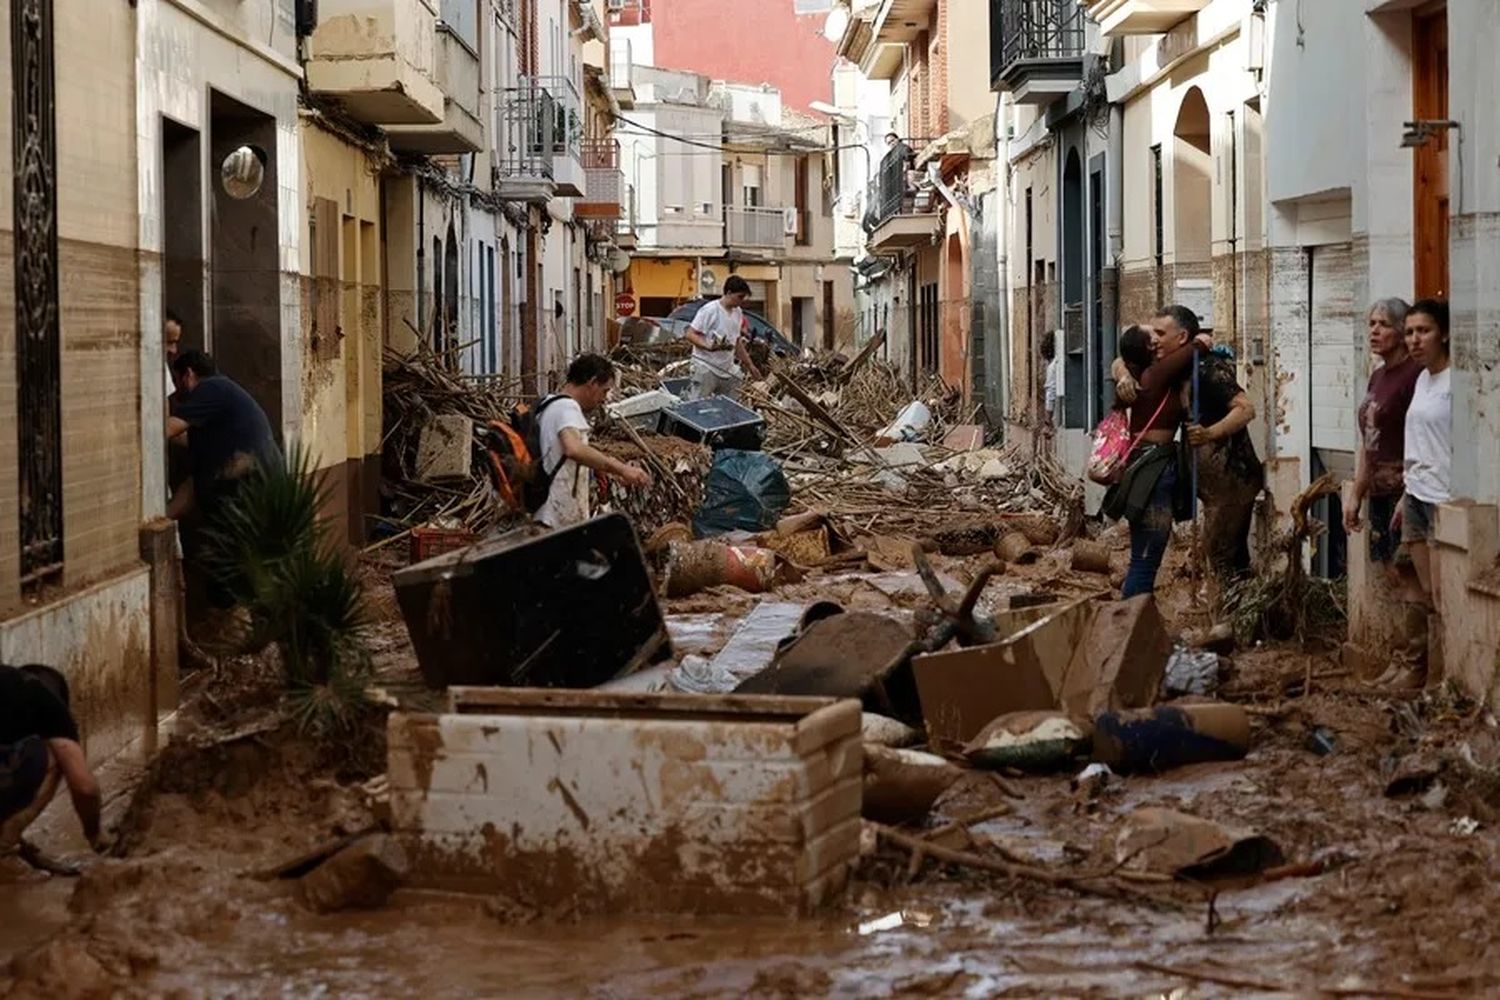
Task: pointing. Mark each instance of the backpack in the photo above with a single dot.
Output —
(514, 449)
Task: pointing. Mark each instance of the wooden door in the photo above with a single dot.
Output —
(1430, 164)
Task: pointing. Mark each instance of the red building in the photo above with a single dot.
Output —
(726, 41)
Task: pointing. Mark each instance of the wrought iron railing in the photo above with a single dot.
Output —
(38, 334)
(1023, 30)
(888, 191)
(540, 119)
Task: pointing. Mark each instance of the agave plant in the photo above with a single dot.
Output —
(272, 554)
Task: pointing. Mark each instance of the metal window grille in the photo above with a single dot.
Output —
(38, 336)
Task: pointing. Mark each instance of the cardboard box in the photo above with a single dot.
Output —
(1084, 657)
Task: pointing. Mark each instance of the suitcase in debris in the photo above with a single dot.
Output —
(563, 609)
(717, 421)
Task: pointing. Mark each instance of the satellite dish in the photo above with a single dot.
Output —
(838, 20)
(619, 261)
(707, 280)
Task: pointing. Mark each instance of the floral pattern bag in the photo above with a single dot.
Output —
(1113, 445)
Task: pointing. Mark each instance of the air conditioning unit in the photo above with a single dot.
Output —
(792, 221)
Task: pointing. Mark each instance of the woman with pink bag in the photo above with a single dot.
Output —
(1148, 491)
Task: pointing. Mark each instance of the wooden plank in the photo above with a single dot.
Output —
(625, 704)
(865, 354)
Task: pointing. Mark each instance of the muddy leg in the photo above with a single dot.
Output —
(12, 867)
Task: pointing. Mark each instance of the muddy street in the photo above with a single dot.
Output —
(1378, 898)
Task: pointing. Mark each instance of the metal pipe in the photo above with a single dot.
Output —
(1002, 252)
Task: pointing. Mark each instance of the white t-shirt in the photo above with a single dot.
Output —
(568, 499)
(1429, 438)
(722, 328)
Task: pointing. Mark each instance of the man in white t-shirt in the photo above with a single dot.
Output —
(563, 429)
(717, 334)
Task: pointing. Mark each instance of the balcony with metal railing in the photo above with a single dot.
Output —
(757, 228)
(621, 59)
(1036, 48)
(539, 151)
(605, 180)
(900, 210)
(625, 235)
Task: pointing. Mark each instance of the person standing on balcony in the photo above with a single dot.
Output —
(717, 333)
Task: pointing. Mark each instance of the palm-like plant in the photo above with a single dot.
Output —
(272, 553)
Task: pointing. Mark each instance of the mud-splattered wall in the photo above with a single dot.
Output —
(342, 323)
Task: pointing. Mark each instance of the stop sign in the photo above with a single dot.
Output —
(625, 304)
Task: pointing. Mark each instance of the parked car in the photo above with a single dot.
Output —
(679, 319)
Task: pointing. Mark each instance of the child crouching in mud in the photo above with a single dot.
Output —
(1151, 494)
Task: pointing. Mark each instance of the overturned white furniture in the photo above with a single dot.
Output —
(625, 802)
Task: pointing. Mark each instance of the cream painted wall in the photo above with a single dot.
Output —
(1150, 119)
(341, 415)
(969, 95)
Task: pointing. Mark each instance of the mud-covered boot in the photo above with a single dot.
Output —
(1408, 671)
(1435, 671)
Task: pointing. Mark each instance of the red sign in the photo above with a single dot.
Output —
(624, 304)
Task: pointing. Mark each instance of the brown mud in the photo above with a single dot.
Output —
(1399, 909)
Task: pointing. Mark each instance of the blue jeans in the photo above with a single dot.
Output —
(1149, 536)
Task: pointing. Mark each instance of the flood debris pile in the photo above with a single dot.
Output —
(433, 467)
(436, 469)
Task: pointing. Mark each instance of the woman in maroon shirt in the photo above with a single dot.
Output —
(1145, 494)
(1378, 477)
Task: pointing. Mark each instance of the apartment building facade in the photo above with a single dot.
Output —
(937, 291)
(1277, 174)
(726, 181)
(86, 575)
(1381, 180)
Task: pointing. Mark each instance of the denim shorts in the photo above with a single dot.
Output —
(1384, 543)
(23, 769)
(1416, 519)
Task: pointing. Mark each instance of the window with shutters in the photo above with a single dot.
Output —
(803, 186)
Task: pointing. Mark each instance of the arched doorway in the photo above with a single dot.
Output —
(1192, 182)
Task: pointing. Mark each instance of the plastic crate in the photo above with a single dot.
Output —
(429, 542)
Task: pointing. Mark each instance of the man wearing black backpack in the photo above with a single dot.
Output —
(563, 437)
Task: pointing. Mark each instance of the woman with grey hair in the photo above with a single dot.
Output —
(1379, 480)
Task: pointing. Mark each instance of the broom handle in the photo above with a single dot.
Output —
(1193, 415)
